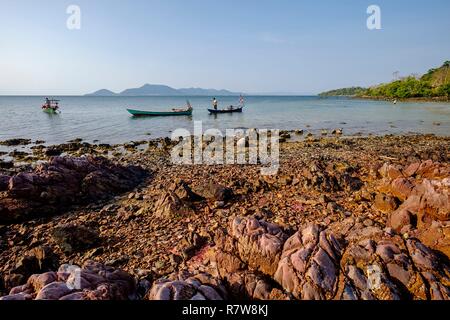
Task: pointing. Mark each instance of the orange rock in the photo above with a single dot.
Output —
(390, 171)
(385, 203)
(401, 188)
(411, 169)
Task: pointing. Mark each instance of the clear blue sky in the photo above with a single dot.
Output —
(247, 45)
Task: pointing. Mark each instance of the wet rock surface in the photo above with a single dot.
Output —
(15, 142)
(344, 218)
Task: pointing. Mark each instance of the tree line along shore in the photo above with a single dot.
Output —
(432, 86)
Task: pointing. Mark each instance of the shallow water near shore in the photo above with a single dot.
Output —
(105, 119)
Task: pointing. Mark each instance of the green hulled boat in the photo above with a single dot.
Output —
(175, 112)
(50, 110)
(51, 106)
(140, 113)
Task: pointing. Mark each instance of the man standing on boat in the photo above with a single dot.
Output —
(215, 103)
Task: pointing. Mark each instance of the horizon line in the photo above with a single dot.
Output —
(158, 95)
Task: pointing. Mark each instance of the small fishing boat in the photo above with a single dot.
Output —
(141, 113)
(51, 106)
(230, 110)
(175, 112)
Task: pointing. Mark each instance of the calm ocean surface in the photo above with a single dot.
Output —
(106, 120)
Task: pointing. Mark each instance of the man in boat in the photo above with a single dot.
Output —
(188, 106)
(215, 103)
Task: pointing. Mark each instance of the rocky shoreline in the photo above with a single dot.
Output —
(415, 99)
(344, 218)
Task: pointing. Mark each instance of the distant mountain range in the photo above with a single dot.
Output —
(162, 90)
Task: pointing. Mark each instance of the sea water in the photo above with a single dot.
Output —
(105, 119)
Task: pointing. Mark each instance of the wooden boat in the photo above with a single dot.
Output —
(230, 109)
(234, 109)
(51, 106)
(140, 113)
(187, 111)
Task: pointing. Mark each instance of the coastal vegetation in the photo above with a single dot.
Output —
(352, 91)
(434, 84)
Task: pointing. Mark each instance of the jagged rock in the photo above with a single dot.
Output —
(401, 188)
(37, 260)
(70, 237)
(257, 243)
(63, 181)
(309, 265)
(364, 274)
(436, 236)
(6, 164)
(184, 192)
(317, 177)
(4, 182)
(53, 151)
(433, 269)
(343, 261)
(434, 202)
(190, 244)
(171, 206)
(134, 236)
(247, 285)
(432, 170)
(243, 284)
(18, 155)
(15, 142)
(381, 267)
(53, 291)
(400, 219)
(92, 282)
(39, 281)
(213, 191)
(226, 263)
(350, 183)
(185, 286)
(411, 169)
(390, 171)
(385, 203)
(425, 192)
(328, 179)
